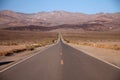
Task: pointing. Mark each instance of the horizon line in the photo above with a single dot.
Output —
(58, 11)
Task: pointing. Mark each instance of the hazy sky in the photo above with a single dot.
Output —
(84, 6)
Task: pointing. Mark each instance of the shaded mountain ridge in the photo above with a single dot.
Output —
(46, 21)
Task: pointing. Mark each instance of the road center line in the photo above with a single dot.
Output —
(62, 62)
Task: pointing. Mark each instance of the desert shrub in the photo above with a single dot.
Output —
(18, 50)
(30, 47)
(9, 54)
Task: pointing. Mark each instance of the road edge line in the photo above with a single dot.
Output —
(36, 53)
(87, 53)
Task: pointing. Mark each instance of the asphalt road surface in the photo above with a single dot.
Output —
(61, 62)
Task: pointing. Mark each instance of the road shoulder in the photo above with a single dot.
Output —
(111, 56)
(20, 56)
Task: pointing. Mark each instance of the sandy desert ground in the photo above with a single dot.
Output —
(18, 41)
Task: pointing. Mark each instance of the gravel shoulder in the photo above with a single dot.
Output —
(111, 56)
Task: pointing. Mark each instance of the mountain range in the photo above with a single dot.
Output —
(59, 20)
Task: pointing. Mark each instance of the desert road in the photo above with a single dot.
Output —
(61, 62)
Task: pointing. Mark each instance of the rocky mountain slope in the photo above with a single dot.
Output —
(46, 21)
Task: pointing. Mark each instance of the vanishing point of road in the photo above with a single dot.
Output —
(61, 62)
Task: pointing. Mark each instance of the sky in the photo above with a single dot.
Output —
(84, 6)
